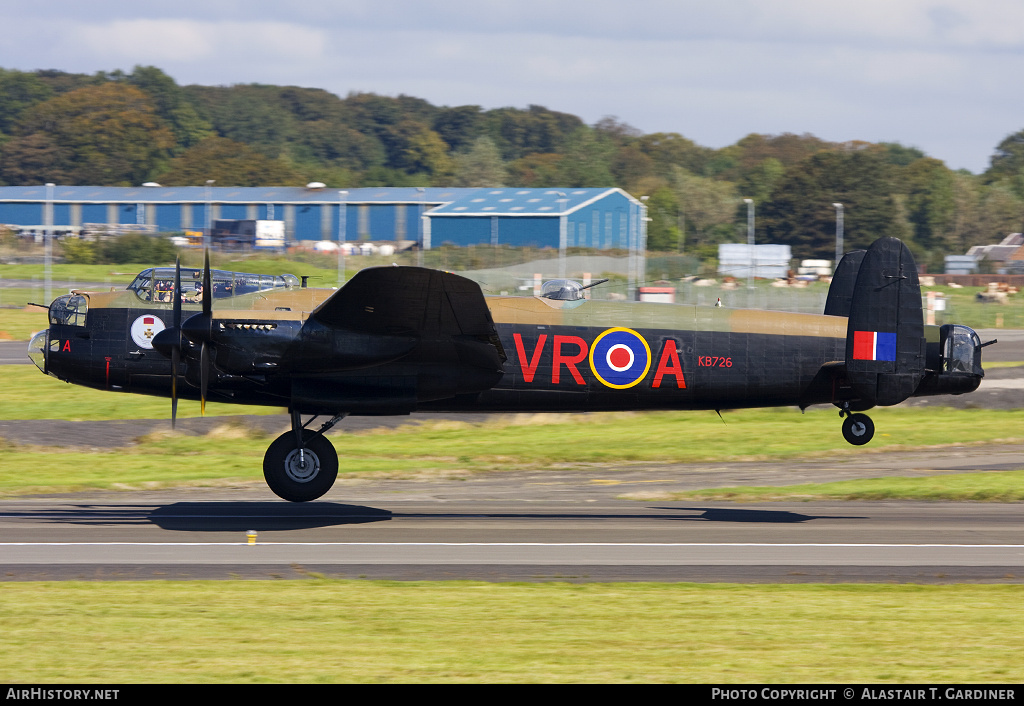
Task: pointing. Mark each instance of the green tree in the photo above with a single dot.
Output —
(106, 135)
(535, 171)
(1000, 213)
(172, 106)
(736, 161)
(587, 160)
(34, 159)
(229, 163)
(459, 127)
(928, 184)
(250, 114)
(759, 180)
(669, 150)
(136, 247)
(900, 155)
(18, 92)
(800, 212)
(535, 130)
(480, 166)
(708, 208)
(414, 148)
(1007, 164)
(663, 226)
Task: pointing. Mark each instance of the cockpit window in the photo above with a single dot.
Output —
(157, 284)
(69, 310)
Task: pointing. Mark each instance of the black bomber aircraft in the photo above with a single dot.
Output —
(396, 340)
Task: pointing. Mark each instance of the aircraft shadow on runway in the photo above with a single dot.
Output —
(275, 516)
(721, 514)
(215, 517)
(265, 516)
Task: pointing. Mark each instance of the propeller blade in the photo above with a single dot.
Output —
(176, 349)
(177, 293)
(174, 387)
(207, 286)
(204, 376)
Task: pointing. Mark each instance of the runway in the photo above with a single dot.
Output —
(589, 536)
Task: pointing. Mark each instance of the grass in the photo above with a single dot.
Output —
(345, 631)
(20, 324)
(963, 307)
(232, 454)
(28, 394)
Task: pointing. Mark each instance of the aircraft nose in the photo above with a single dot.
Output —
(37, 349)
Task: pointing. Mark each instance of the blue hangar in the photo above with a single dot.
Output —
(602, 218)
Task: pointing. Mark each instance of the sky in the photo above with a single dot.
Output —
(942, 76)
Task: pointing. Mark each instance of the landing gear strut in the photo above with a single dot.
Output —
(858, 429)
(301, 464)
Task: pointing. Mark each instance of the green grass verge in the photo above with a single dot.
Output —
(343, 631)
(1001, 486)
(232, 454)
(963, 307)
(28, 394)
(20, 324)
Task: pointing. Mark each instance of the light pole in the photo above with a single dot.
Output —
(641, 246)
(208, 236)
(48, 242)
(750, 240)
(563, 235)
(342, 222)
(839, 235)
(419, 227)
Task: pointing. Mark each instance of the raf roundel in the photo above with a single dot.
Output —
(620, 358)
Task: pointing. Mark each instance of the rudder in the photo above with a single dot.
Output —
(885, 343)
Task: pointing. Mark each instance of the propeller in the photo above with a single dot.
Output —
(176, 350)
(197, 328)
(169, 342)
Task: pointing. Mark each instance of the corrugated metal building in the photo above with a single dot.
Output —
(597, 218)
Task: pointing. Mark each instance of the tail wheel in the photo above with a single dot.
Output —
(858, 429)
(300, 477)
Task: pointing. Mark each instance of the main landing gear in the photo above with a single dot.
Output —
(301, 465)
(858, 429)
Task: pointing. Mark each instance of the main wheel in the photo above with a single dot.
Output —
(858, 429)
(300, 478)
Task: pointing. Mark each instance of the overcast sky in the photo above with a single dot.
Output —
(941, 75)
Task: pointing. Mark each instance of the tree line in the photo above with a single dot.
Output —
(120, 129)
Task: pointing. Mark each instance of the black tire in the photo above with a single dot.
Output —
(858, 429)
(292, 482)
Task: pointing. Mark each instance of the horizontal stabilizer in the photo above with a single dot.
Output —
(885, 343)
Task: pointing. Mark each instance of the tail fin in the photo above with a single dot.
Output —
(840, 292)
(885, 343)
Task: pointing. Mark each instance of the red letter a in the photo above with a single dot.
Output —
(669, 364)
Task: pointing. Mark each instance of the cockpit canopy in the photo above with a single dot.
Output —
(157, 283)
